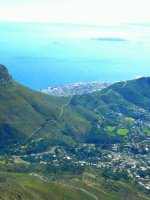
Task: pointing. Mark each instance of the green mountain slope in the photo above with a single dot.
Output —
(32, 122)
(22, 111)
(120, 97)
(102, 135)
(112, 107)
(28, 116)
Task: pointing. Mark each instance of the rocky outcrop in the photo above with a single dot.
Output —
(5, 77)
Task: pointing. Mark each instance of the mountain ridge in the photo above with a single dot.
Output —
(5, 77)
(27, 115)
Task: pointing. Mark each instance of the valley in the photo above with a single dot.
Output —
(96, 145)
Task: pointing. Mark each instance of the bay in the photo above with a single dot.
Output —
(39, 55)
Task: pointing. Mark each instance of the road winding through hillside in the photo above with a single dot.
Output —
(32, 134)
(62, 109)
(94, 197)
(83, 190)
(60, 115)
(40, 127)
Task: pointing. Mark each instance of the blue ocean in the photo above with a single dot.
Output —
(39, 55)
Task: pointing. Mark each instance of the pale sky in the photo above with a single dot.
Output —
(102, 12)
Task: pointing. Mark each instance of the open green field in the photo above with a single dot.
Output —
(110, 128)
(147, 131)
(2, 161)
(129, 119)
(123, 132)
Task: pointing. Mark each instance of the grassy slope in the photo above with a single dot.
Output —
(26, 187)
(121, 97)
(118, 97)
(23, 111)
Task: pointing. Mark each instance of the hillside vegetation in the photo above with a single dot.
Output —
(27, 187)
(23, 110)
(28, 116)
(93, 146)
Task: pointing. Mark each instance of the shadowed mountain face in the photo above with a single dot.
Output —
(102, 117)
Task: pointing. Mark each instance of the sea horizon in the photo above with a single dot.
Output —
(39, 55)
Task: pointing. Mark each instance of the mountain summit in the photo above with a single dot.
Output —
(5, 77)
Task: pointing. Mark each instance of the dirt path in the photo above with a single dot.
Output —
(125, 84)
(66, 185)
(62, 110)
(97, 188)
(83, 190)
(32, 134)
(39, 128)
